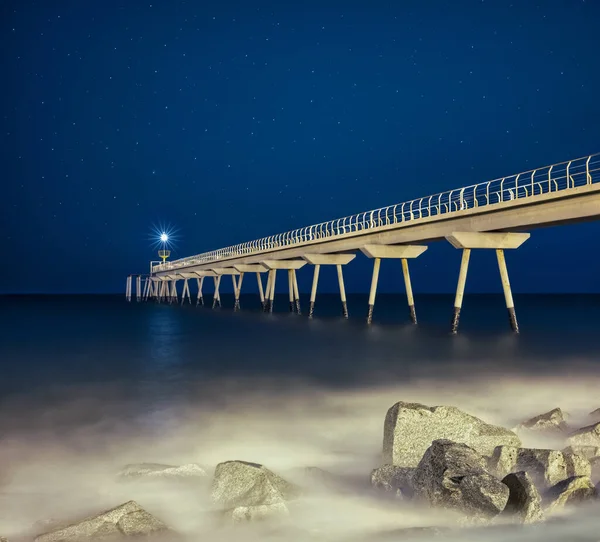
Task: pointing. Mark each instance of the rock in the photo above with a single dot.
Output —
(595, 465)
(550, 422)
(242, 514)
(586, 451)
(2, 539)
(394, 480)
(586, 436)
(410, 428)
(524, 500)
(160, 471)
(595, 415)
(574, 490)
(128, 519)
(452, 475)
(243, 484)
(546, 467)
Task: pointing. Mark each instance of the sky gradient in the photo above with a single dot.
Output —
(231, 121)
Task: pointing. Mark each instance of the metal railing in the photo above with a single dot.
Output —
(555, 178)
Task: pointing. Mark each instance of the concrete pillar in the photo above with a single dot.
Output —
(373, 290)
(273, 266)
(313, 291)
(128, 288)
(460, 288)
(296, 291)
(409, 292)
(200, 299)
(237, 287)
(499, 241)
(174, 298)
(272, 292)
(186, 292)
(216, 296)
(291, 290)
(512, 317)
(268, 292)
(342, 291)
(138, 288)
(260, 290)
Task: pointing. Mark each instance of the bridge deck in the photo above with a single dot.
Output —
(556, 194)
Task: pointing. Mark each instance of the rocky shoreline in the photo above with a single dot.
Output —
(438, 457)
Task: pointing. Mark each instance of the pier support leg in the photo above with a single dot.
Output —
(373, 290)
(237, 287)
(186, 291)
(138, 288)
(512, 317)
(342, 291)
(296, 291)
(174, 298)
(272, 292)
(200, 299)
(409, 292)
(145, 292)
(216, 296)
(313, 291)
(128, 289)
(268, 292)
(460, 288)
(291, 289)
(260, 290)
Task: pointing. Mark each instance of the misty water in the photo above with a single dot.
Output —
(90, 384)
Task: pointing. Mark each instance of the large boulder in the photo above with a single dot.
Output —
(128, 519)
(452, 475)
(595, 464)
(410, 428)
(552, 422)
(586, 451)
(155, 471)
(524, 501)
(586, 436)
(546, 467)
(250, 491)
(393, 480)
(574, 490)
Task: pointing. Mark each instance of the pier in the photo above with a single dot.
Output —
(494, 215)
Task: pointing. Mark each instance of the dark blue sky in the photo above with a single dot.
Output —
(235, 120)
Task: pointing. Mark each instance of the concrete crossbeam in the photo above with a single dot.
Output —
(490, 240)
(283, 264)
(189, 275)
(205, 273)
(329, 259)
(250, 268)
(226, 271)
(393, 251)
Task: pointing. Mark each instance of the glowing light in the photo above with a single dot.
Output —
(164, 237)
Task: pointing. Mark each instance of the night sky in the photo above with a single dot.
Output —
(230, 121)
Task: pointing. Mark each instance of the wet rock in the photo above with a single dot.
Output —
(394, 480)
(242, 484)
(410, 428)
(550, 422)
(574, 490)
(586, 451)
(524, 501)
(586, 436)
(153, 471)
(128, 519)
(452, 475)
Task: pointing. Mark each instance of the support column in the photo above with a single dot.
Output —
(268, 292)
(237, 287)
(296, 291)
(409, 292)
(272, 292)
(260, 290)
(512, 316)
(200, 299)
(138, 288)
(186, 291)
(217, 297)
(145, 292)
(460, 288)
(313, 291)
(373, 290)
(174, 298)
(499, 241)
(128, 289)
(273, 266)
(291, 289)
(342, 291)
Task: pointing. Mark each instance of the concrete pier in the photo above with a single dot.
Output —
(273, 266)
(237, 287)
(200, 298)
(138, 288)
(216, 296)
(397, 252)
(186, 292)
(338, 260)
(498, 241)
(296, 292)
(258, 269)
(291, 290)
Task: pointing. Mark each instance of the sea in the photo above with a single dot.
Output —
(91, 383)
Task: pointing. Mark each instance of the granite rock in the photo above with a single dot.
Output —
(128, 519)
(574, 490)
(452, 475)
(586, 451)
(410, 428)
(586, 436)
(524, 501)
(394, 480)
(154, 471)
(549, 422)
